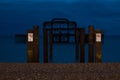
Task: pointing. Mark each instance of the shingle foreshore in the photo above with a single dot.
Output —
(50, 71)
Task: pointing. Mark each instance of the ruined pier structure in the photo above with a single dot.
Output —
(60, 31)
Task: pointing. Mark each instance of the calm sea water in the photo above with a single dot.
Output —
(62, 53)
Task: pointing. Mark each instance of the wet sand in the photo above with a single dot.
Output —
(77, 71)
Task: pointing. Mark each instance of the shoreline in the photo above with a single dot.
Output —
(52, 71)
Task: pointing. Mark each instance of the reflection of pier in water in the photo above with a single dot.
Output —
(63, 31)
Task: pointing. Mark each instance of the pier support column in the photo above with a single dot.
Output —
(90, 44)
(98, 46)
(36, 43)
(51, 45)
(33, 45)
(45, 45)
(77, 44)
(82, 45)
(30, 54)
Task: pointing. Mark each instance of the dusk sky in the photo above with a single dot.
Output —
(17, 16)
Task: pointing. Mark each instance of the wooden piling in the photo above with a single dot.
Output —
(45, 45)
(90, 44)
(82, 45)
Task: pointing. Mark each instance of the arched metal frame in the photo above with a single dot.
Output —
(49, 37)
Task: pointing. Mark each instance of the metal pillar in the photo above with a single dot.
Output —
(36, 43)
(77, 44)
(45, 45)
(90, 44)
(33, 45)
(51, 45)
(98, 46)
(82, 45)
(30, 46)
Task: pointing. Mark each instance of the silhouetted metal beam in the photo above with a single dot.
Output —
(30, 53)
(45, 45)
(82, 45)
(36, 43)
(98, 46)
(90, 43)
(51, 46)
(77, 45)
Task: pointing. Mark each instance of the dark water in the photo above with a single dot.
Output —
(62, 53)
(17, 17)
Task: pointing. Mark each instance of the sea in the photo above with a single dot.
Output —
(12, 52)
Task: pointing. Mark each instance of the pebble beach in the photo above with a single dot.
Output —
(51, 71)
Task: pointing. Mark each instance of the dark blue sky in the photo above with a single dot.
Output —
(16, 16)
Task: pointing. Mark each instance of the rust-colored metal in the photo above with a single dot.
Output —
(98, 48)
(57, 35)
(77, 44)
(45, 45)
(33, 46)
(36, 43)
(90, 44)
(51, 45)
(82, 45)
(30, 53)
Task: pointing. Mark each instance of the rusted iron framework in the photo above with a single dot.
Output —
(60, 31)
(33, 46)
(62, 34)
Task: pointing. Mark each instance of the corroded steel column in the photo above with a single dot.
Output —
(90, 44)
(82, 45)
(36, 43)
(77, 44)
(98, 46)
(45, 45)
(51, 45)
(30, 56)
